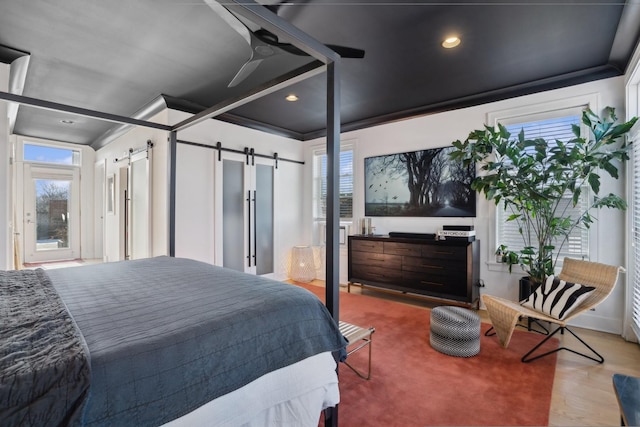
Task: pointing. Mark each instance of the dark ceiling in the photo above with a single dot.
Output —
(117, 56)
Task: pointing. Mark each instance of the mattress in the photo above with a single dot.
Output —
(290, 396)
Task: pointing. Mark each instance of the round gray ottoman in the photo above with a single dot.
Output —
(455, 331)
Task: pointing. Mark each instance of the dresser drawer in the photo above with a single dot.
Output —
(375, 274)
(398, 248)
(449, 252)
(434, 265)
(444, 285)
(366, 246)
(376, 259)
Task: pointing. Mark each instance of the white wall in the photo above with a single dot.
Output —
(6, 234)
(438, 130)
(195, 235)
(136, 139)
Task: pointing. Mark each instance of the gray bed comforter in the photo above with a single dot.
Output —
(44, 365)
(167, 335)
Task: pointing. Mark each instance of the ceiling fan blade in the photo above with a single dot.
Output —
(270, 38)
(346, 52)
(244, 72)
(262, 42)
(230, 19)
(259, 49)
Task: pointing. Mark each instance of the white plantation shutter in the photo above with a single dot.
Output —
(345, 184)
(636, 237)
(577, 246)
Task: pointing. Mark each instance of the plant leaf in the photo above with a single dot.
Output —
(594, 182)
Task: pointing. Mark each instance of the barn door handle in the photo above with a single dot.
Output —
(249, 227)
(255, 229)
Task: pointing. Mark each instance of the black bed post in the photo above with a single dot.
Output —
(332, 272)
(173, 142)
(333, 203)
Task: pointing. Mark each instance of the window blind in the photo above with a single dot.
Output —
(345, 185)
(577, 245)
(636, 238)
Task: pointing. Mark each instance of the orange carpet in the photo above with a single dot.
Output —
(414, 385)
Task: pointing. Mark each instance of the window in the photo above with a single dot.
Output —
(345, 185)
(47, 154)
(635, 224)
(551, 129)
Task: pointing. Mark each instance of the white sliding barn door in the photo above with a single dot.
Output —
(195, 203)
(138, 203)
(225, 209)
(140, 199)
(244, 213)
(99, 192)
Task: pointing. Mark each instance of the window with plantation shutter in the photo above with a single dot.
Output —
(635, 304)
(577, 245)
(345, 184)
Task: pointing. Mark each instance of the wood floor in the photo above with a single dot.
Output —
(582, 389)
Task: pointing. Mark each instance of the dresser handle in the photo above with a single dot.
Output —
(443, 253)
(433, 266)
(431, 283)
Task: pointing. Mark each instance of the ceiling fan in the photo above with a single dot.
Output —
(264, 44)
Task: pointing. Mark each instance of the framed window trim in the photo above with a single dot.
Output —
(22, 141)
(319, 151)
(631, 318)
(531, 113)
(319, 223)
(631, 328)
(110, 204)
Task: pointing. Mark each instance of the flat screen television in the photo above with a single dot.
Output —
(425, 183)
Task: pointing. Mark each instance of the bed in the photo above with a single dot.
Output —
(163, 341)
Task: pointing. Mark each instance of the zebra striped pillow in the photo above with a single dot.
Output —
(557, 298)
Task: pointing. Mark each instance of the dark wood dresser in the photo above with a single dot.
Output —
(446, 271)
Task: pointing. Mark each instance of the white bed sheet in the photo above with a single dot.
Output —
(291, 396)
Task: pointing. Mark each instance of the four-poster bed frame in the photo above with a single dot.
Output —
(326, 61)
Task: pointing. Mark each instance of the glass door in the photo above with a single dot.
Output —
(51, 214)
(236, 198)
(244, 212)
(263, 225)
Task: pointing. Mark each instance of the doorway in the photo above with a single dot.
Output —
(99, 196)
(245, 210)
(51, 213)
(135, 193)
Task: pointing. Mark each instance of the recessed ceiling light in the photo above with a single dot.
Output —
(291, 98)
(67, 122)
(450, 42)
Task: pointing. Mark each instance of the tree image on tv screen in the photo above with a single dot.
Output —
(419, 183)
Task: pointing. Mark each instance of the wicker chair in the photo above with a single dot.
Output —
(504, 314)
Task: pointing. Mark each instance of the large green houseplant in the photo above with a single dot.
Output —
(532, 179)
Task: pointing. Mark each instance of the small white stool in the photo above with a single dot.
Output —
(353, 334)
